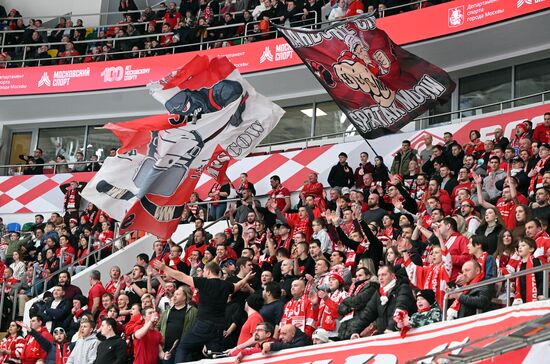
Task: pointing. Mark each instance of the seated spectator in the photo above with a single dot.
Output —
(68, 56)
(470, 302)
(289, 337)
(12, 346)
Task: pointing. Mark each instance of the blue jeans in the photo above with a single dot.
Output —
(204, 332)
(217, 211)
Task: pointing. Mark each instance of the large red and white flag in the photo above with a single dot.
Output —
(214, 116)
(377, 84)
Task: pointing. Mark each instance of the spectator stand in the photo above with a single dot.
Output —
(202, 44)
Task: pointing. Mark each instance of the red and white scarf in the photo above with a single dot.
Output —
(455, 307)
(215, 189)
(530, 284)
(70, 199)
(384, 291)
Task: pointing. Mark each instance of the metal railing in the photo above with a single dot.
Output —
(173, 49)
(545, 269)
(113, 245)
(271, 147)
(18, 169)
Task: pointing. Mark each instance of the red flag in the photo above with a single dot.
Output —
(377, 84)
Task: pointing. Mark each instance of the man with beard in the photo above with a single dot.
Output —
(434, 190)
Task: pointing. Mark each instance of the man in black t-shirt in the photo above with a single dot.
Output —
(137, 287)
(213, 295)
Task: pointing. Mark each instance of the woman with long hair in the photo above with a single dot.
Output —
(491, 225)
(18, 266)
(523, 213)
(381, 171)
(12, 345)
(506, 255)
(236, 240)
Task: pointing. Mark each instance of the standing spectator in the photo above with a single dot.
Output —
(245, 184)
(394, 294)
(279, 193)
(37, 159)
(217, 194)
(381, 172)
(33, 350)
(96, 292)
(312, 187)
(299, 310)
(136, 287)
(341, 174)
(402, 158)
(355, 7)
(112, 349)
(126, 6)
(148, 341)
(364, 167)
(252, 307)
(85, 349)
(213, 295)
(426, 153)
(57, 310)
(264, 333)
(273, 308)
(541, 134)
(175, 322)
(172, 16)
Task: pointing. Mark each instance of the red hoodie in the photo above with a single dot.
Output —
(33, 351)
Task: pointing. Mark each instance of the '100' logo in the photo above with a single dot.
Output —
(112, 74)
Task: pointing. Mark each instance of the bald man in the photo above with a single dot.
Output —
(289, 337)
(475, 300)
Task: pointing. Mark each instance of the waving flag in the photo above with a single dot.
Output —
(377, 84)
(215, 116)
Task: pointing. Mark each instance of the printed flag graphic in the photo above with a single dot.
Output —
(377, 84)
(214, 116)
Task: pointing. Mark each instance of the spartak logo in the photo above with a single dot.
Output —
(417, 142)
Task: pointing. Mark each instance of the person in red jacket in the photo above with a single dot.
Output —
(33, 351)
(542, 131)
(12, 345)
(455, 243)
(299, 311)
(355, 7)
(299, 222)
(443, 196)
(312, 187)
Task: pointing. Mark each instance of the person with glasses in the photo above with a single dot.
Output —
(262, 334)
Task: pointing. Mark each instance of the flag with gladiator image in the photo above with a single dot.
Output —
(377, 84)
(214, 116)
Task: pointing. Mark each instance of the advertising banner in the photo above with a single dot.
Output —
(440, 20)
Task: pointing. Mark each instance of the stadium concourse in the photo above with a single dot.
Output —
(375, 252)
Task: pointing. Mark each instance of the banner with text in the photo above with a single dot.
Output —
(379, 86)
(443, 19)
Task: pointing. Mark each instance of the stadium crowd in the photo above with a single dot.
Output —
(147, 32)
(376, 254)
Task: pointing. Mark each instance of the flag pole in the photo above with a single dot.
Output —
(371, 147)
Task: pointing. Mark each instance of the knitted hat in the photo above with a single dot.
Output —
(73, 220)
(428, 295)
(321, 335)
(522, 126)
(255, 301)
(83, 300)
(211, 249)
(338, 277)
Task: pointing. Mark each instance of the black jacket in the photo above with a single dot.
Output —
(57, 315)
(300, 339)
(401, 297)
(356, 303)
(492, 238)
(477, 299)
(338, 177)
(112, 351)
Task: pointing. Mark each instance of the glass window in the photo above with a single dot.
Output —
(441, 109)
(532, 78)
(330, 119)
(295, 124)
(65, 141)
(100, 141)
(485, 88)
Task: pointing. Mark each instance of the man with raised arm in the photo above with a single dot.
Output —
(213, 295)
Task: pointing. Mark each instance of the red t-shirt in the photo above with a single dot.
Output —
(279, 194)
(249, 327)
(146, 348)
(355, 8)
(97, 290)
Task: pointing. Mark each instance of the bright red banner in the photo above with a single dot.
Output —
(444, 19)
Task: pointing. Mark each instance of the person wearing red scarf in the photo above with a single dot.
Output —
(541, 133)
(299, 310)
(533, 230)
(300, 222)
(477, 247)
(71, 201)
(329, 302)
(312, 187)
(456, 244)
(529, 287)
(468, 303)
